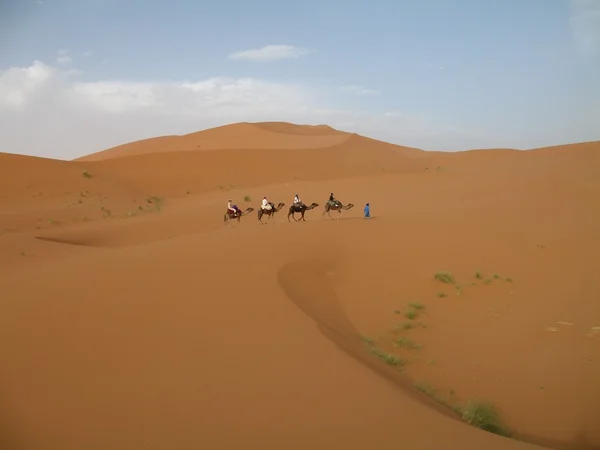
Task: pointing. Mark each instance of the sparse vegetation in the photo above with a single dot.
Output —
(106, 212)
(156, 201)
(388, 358)
(410, 314)
(416, 305)
(367, 341)
(425, 388)
(247, 199)
(477, 413)
(441, 295)
(479, 275)
(403, 342)
(404, 326)
(482, 415)
(86, 174)
(444, 277)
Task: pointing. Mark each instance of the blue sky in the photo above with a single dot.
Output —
(82, 75)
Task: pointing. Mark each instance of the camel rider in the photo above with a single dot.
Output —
(332, 200)
(265, 204)
(231, 208)
(297, 201)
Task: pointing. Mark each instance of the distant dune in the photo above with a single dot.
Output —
(247, 136)
(133, 316)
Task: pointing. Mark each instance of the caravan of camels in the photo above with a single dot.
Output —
(269, 209)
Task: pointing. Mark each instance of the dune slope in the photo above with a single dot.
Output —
(168, 328)
(274, 135)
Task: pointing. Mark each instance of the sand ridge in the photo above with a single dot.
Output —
(162, 327)
(271, 135)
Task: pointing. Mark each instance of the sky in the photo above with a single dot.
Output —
(80, 76)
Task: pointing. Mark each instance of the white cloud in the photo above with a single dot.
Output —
(269, 53)
(358, 90)
(585, 24)
(63, 57)
(52, 112)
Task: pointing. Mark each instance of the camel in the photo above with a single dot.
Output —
(228, 216)
(300, 209)
(269, 212)
(338, 206)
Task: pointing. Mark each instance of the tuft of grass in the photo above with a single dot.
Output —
(247, 199)
(403, 342)
(488, 281)
(404, 326)
(410, 314)
(482, 415)
(86, 174)
(444, 277)
(416, 305)
(156, 201)
(496, 276)
(425, 388)
(441, 295)
(389, 359)
(479, 275)
(367, 341)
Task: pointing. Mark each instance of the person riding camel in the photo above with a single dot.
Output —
(332, 200)
(232, 209)
(297, 201)
(265, 204)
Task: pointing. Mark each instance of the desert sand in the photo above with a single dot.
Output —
(134, 317)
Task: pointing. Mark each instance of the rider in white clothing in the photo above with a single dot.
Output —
(230, 207)
(265, 204)
(297, 201)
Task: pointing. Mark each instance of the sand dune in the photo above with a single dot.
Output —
(270, 135)
(156, 325)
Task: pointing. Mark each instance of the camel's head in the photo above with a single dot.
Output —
(349, 205)
(249, 209)
(314, 205)
(281, 205)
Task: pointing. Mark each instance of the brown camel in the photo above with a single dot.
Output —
(300, 209)
(337, 206)
(228, 216)
(270, 212)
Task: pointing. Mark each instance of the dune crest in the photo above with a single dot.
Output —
(244, 135)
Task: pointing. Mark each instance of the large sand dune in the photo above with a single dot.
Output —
(134, 317)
